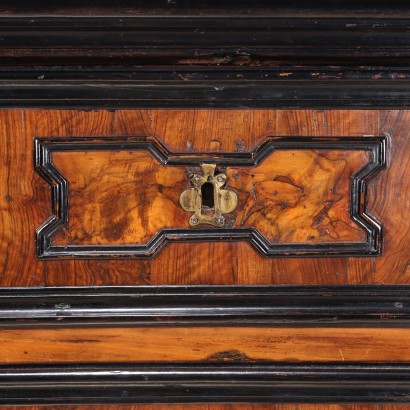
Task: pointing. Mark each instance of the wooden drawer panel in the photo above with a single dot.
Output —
(99, 178)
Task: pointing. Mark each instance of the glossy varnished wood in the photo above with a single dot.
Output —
(301, 306)
(235, 55)
(122, 197)
(205, 382)
(25, 198)
(300, 196)
(203, 344)
(126, 197)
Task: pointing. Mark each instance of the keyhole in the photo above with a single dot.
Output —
(207, 193)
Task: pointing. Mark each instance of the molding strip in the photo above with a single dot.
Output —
(317, 306)
(204, 87)
(143, 38)
(205, 382)
(168, 54)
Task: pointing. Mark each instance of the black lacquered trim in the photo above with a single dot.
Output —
(238, 54)
(205, 382)
(204, 87)
(319, 306)
(141, 38)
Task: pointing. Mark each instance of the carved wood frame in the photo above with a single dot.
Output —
(60, 196)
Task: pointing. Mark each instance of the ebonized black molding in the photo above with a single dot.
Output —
(205, 382)
(180, 54)
(139, 39)
(241, 54)
(201, 86)
(60, 197)
(346, 306)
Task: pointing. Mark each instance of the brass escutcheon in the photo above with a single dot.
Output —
(207, 199)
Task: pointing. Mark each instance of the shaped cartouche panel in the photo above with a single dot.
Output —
(121, 197)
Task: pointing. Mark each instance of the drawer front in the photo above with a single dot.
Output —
(238, 197)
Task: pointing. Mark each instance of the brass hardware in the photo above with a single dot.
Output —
(207, 199)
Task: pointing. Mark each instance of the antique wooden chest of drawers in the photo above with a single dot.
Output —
(204, 203)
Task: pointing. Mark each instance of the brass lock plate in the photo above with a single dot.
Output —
(207, 198)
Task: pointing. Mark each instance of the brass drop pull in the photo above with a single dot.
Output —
(207, 199)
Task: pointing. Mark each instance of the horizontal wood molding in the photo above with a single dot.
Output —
(222, 382)
(280, 8)
(139, 39)
(221, 406)
(372, 306)
(204, 87)
(170, 54)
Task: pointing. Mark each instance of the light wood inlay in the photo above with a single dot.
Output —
(219, 344)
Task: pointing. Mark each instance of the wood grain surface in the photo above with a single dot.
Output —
(122, 197)
(203, 344)
(126, 197)
(25, 197)
(299, 196)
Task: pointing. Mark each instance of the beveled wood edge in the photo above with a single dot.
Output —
(303, 306)
(205, 382)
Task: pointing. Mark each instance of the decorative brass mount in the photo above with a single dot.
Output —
(207, 199)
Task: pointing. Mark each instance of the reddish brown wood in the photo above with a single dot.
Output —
(299, 196)
(126, 197)
(121, 197)
(25, 198)
(203, 344)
